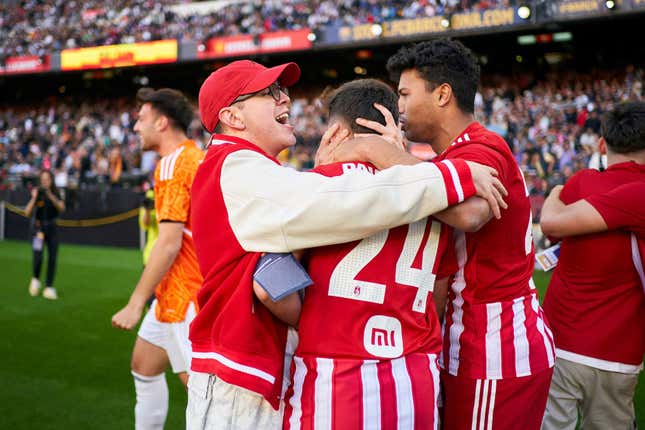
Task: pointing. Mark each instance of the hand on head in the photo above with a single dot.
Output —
(330, 143)
(390, 131)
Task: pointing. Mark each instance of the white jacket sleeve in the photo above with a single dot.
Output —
(276, 209)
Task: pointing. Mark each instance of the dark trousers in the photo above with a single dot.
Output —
(51, 241)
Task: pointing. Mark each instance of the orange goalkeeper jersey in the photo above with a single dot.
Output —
(173, 179)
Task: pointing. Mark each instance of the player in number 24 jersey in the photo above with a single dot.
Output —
(369, 332)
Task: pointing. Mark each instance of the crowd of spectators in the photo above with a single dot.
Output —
(551, 125)
(84, 143)
(37, 27)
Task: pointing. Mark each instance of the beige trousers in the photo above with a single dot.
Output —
(603, 400)
(217, 405)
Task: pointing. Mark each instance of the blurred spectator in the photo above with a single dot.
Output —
(115, 166)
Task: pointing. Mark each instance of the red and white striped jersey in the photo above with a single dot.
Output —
(494, 327)
(338, 394)
(371, 302)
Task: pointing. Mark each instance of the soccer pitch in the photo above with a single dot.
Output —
(63, 365)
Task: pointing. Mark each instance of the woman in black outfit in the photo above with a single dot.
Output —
(48, 204)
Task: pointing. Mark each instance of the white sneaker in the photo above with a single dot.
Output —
(34, 287)
(50, 293)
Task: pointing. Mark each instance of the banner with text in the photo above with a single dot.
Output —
(26, 64)
(131, 54)
(578, 8)
(428, 25)
(233, 46)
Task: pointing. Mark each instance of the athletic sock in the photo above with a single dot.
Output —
(151, 408)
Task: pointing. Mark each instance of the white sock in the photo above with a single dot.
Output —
(152, 401)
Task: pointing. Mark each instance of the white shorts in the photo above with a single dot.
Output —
(172, 337)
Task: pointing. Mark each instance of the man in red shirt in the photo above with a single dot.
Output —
(595, 302)
(369, 336)
(244, 202)
(498, 352)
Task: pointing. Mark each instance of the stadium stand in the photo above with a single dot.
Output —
(37, 28)
(552, 126)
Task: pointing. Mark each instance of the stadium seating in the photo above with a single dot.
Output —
(38, 28)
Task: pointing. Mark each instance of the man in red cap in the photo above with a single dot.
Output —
(244, 203)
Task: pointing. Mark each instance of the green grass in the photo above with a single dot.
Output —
(63, 366)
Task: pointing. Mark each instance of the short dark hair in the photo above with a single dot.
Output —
(441, 61)
(623, 128)
(355, 99)
(170, 103)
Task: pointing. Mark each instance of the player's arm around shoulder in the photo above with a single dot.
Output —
(474, 213)
(469, 216)
(559, 220)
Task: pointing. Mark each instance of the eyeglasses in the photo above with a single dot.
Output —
(274, 90)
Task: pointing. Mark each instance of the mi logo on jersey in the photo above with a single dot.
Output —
(382, 337)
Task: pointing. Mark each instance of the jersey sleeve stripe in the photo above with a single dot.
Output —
(455, 180)
(449, 181)
(458, 179)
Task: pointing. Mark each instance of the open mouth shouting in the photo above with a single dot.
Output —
(283, 118)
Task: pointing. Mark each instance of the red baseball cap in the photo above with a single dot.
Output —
(238, 78)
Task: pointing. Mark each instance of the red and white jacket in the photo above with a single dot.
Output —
(244, 202)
